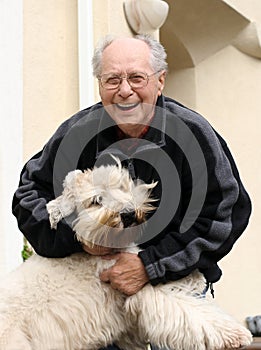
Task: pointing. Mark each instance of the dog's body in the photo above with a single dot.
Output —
(61, 304)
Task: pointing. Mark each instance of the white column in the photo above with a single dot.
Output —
(85, 47)
(11, 96)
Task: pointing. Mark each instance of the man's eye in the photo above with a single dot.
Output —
(136, 78)
(113, 81)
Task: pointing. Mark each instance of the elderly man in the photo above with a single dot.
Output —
(203, 205)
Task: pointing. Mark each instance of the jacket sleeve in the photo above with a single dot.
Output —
(222, 219)
(29, 206)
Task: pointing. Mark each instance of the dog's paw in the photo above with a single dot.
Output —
(237, 338)
(54, 212)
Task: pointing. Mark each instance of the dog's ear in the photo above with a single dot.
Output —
(65, 204)
(142, 195)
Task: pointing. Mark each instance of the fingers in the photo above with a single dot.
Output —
(128, 274)
(112, 275)
(105, 276)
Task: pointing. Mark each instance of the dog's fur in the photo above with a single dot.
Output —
(61, 304)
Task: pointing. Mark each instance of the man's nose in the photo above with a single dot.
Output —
(124, 88)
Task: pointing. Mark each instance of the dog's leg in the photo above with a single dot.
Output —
(64, 205)
(55, 214)
(160, 319)
(178, 321)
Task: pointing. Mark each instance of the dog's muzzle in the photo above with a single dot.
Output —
(128, 218)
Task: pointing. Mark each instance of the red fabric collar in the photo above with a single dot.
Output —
(121, 135)
(132, 142)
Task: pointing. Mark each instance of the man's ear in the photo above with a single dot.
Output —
(161, 83)
(65, 204)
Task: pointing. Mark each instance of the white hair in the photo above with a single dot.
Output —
(158, 54)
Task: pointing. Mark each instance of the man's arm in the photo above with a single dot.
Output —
(221, 221)
(29, 206)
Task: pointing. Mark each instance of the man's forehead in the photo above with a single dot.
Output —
(128, 51)
(127, 46)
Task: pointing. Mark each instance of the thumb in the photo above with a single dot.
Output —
(104, 276)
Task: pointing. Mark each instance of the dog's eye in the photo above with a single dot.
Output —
(97, 200)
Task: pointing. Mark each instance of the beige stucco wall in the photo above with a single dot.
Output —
(250, 8)
(223, 84)
(50, 69)
(109, 19)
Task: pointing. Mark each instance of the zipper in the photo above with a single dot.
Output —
(131, 169)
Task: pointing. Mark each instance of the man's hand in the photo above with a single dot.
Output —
(97, 250)
(128, 275)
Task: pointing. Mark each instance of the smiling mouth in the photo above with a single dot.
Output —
(126, 106)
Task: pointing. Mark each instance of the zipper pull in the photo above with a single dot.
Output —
(131, 169)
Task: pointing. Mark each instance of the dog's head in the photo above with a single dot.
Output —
(106, 202)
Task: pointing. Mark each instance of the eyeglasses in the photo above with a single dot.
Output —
(136, 80)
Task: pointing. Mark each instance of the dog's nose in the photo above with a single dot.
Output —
(128, 218)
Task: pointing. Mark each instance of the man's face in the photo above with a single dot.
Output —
(130, 107)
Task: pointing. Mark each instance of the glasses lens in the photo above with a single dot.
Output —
(110, 81)
(138, 80)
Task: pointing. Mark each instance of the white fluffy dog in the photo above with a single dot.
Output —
(61, 304)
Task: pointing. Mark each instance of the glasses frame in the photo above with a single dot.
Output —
(127, 77)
